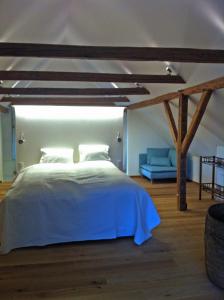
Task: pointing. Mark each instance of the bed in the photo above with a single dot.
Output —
(56, 203)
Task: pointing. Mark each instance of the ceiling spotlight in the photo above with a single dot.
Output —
(168, 70)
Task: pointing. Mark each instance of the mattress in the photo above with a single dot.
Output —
(57, 203)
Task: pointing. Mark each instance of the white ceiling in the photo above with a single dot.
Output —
(162, 23)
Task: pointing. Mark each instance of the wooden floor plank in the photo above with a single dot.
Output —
(168, 266)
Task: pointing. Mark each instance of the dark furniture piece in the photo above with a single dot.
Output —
(216, 190)
(214, 244)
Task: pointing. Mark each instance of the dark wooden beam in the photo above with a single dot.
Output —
(74, 91)
(215, 84)
(102, 101)
(66, 99)
(181, 157)
(112, 53)
(62, 103)
(200, 110)
(171, 121)
(89, 77)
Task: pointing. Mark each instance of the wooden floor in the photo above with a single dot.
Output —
(168, 266)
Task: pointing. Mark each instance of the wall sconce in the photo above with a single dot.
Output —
(119, 139)
(21, 140)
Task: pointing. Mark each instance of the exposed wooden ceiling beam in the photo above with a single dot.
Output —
(89, 77)
(74, 91)
(62, 103)
(65, 101)
(215, 84)
(112, 53)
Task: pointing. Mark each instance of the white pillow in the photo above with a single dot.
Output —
(56, 155)
(85, 150)
(97, 156)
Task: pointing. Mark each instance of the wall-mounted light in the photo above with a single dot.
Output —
(119, 139)
(21, 140)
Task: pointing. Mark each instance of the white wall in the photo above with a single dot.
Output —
(220, 171)
(66, 133)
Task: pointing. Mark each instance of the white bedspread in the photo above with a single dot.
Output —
(55, 203)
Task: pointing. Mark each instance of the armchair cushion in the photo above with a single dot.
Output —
(160, 161)
(156, 152)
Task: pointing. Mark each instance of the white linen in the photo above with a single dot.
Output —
(54, 203)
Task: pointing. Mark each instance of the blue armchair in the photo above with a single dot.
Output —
(158, 163)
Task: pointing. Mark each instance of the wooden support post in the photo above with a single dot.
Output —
(171, 121)
(182, 157)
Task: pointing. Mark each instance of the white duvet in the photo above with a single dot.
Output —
(55, 203)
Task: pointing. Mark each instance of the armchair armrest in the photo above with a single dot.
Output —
(142, 159)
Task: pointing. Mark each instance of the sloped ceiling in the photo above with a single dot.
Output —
(173, 23)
